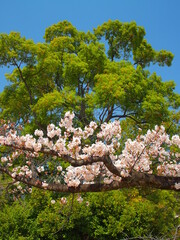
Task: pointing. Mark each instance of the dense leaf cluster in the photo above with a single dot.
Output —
(99, 75)
(114, 215)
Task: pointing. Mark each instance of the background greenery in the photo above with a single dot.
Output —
(111, 215)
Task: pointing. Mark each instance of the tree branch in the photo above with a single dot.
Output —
(137, 179)
(74, 162)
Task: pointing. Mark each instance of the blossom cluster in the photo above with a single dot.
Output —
(147, 153)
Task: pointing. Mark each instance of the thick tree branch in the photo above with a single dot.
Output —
(137, 179)
(74, 162)
(110, 112)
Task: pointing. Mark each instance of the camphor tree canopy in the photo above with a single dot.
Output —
(67, 99)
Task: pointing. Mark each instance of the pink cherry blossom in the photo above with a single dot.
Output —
(87, 162)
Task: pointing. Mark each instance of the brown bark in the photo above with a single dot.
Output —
(137, 179)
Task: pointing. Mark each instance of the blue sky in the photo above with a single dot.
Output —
(160, 18)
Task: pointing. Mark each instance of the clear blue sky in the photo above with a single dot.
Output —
(160, 18)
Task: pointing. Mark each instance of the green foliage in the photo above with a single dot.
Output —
(15, 48)
(14, 222)
(50, 106)
(121, 214)
(113, 215)
(138, 94)
(71, 71)
(122, 38)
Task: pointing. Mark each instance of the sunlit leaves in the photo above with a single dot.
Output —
(100, 80)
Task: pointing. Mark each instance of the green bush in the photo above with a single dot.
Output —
(108, 215)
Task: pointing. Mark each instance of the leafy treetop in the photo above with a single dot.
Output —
(71, 71)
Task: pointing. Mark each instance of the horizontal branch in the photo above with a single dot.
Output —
(74, 162)
(137, 179)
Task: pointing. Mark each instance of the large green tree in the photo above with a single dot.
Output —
(72, 70)
(100, 76)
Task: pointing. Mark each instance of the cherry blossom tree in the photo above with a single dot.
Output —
(70, 159)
